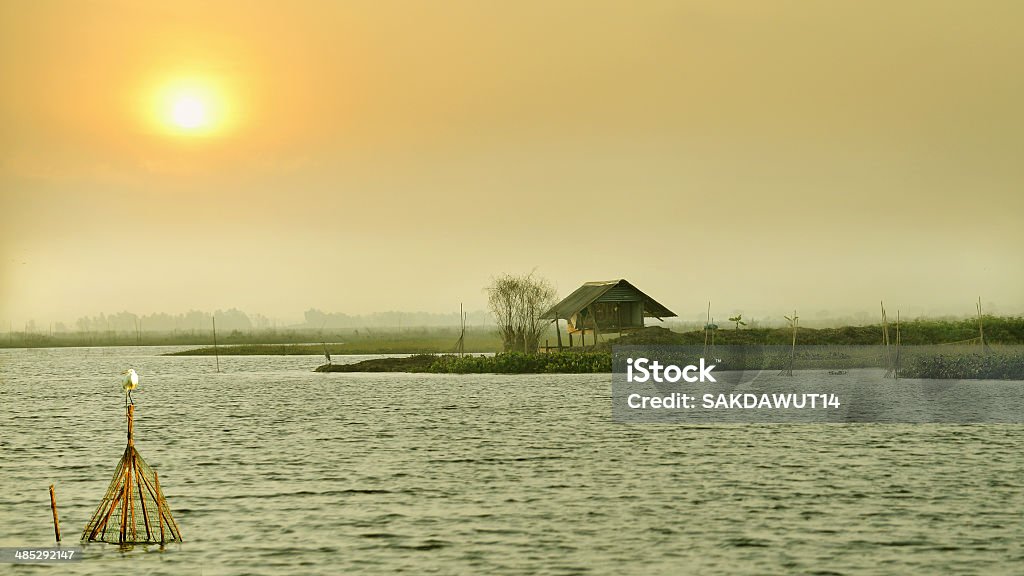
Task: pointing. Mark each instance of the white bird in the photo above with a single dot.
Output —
(131, 382)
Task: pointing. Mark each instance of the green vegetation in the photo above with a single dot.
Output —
(505, 363)
(416, 363)
(992, 365)
(998, 330)
(936, 362)
(520, 363)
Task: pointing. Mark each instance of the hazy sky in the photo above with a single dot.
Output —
(766, 155)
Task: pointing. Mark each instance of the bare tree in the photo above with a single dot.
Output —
(517, 303)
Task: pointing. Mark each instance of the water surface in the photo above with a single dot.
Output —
(273, 469)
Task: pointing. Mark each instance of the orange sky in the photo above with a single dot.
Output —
(396, 155)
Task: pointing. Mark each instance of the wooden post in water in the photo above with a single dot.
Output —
(707, 326)
(981, 326)
(792, 352)
(216, 355)
(896, 367)
(159, 511)
(796, 321)
(53, 507)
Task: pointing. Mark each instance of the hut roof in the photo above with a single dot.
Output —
(606, 291)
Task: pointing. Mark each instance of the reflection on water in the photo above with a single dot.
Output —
(272, 469)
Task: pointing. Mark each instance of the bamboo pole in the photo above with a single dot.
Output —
(706, 328)
(131, 501)
(142, 500)
(885, 342)
(102, 527)
(163, 506)
(156, 498)
(131, 425)
(216, 355)
(127, 504)
(126, 496)
(793, 352)
(163, 510)
(981, 325)
(896, 366)
(53, 507)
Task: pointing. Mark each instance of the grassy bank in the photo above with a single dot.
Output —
(994, 365)
(519, 363)
(510, 363)
(932, 362)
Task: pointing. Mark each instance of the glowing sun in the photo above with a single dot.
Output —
(189, 113)
(192, 107)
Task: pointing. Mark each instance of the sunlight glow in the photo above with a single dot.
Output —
(191, 107)
(189, 113)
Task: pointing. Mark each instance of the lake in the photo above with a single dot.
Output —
(271, 468)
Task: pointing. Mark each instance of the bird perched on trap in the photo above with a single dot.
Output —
(134, 510)
(131, 382)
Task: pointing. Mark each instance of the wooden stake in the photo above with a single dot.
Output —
(154, 493)
(126, 499)
(896, 366)
(171, 524)
(981, 326)
(216, 355)
(53, 506)
(102, 527)
(131, 425)
(142, 499)
(706, 328)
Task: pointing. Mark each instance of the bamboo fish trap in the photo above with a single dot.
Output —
(134, 510)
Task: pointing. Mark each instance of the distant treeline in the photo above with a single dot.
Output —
(998, 330)
(194, 328)
(234, 319)
(413, 340)
(316, 319)
(363, 340)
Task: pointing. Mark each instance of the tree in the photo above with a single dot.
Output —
(738, 319)
(517, 303)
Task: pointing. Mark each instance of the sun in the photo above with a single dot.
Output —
(191, 107)
(189, 113)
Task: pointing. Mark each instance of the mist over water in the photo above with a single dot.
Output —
(272, 469)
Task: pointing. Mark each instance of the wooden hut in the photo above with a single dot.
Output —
(612, 306)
